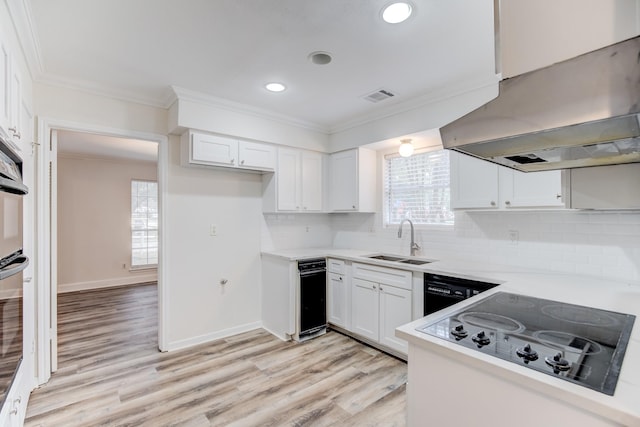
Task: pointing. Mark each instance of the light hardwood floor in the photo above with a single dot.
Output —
(111, 374)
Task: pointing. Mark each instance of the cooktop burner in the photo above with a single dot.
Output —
(579, 344)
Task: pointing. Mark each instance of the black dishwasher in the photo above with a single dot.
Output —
(313, 298)
(443, 291)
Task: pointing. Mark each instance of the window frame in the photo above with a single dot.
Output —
(386, 216)
(145, 230)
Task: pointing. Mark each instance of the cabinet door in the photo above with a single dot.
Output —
(5, 87)
(395, 310)
(253, 155)
(288, 180)
(343, 191)
(213, 150)
(337, 302)
(15, 113)
(529, 190)
(474, 182)
(311, 181)
(364, 308)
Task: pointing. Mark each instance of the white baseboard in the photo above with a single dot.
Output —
(107, 283)
(201, 339)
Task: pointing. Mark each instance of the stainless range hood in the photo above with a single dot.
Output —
(576, 113)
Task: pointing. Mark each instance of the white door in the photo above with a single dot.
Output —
(364, 312)
(474, 182)
(53, 249)
(311, 181)
(395, 310)
(288, 180)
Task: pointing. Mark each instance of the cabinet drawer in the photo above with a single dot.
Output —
(388, 276)
(336, 265)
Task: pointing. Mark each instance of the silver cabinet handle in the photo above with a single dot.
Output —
(558, 196)
(508, 203)
(340, 278)
(15, 132)
(493, 203)
(233, 161)
(375, 287)
(242, 162)
(381, 290)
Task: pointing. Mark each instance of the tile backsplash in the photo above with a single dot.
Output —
(594, 243)
(601, 244)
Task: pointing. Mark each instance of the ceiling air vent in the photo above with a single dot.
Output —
(379, 95)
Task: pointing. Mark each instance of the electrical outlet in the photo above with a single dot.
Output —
(514, 236)
(213, 230)
(124, 266)
(308, 228)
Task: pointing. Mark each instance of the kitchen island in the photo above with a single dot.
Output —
(450, 384)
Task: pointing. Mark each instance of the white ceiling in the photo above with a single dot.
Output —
(228, 49)
(109, 147)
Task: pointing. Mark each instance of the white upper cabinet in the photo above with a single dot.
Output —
(474, 183)
(255, 155)
(311, 178)
(353, 181)
(214, 150)
(10, 96)
(297, 184)
(478, 184)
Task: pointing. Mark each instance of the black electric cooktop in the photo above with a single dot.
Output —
(579, 344)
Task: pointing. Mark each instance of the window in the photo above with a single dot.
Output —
(418, 188)
(144, 224)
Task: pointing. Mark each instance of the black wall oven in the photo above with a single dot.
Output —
(12, 263)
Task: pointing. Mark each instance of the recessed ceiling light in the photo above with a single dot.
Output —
(275, 87)
(397, 12)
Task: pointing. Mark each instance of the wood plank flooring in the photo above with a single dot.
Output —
(111, 374)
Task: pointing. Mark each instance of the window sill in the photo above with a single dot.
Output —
(144, 268)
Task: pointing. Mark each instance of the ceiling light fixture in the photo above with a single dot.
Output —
(275, 87)
(406, 148)
(395, 13)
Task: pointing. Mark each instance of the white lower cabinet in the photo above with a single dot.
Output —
(381, 301)
(365, 314)
(339, 294)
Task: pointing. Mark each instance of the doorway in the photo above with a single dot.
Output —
(89, 148)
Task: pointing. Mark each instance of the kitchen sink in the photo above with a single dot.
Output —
(403, 260)
(414, 261)
(386, 257)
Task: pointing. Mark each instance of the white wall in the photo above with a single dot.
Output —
(282, 231)
(94, 222)
(199, 307)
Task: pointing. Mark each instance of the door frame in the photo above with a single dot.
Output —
(46, 255)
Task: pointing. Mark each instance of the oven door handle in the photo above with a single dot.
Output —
(11, 186)
(19, 264)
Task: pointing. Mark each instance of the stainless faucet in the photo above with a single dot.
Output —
(414, 246)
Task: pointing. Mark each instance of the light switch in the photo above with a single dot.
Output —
(213, 230)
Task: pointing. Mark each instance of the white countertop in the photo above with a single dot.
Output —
(624, 406)
(618, 296)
